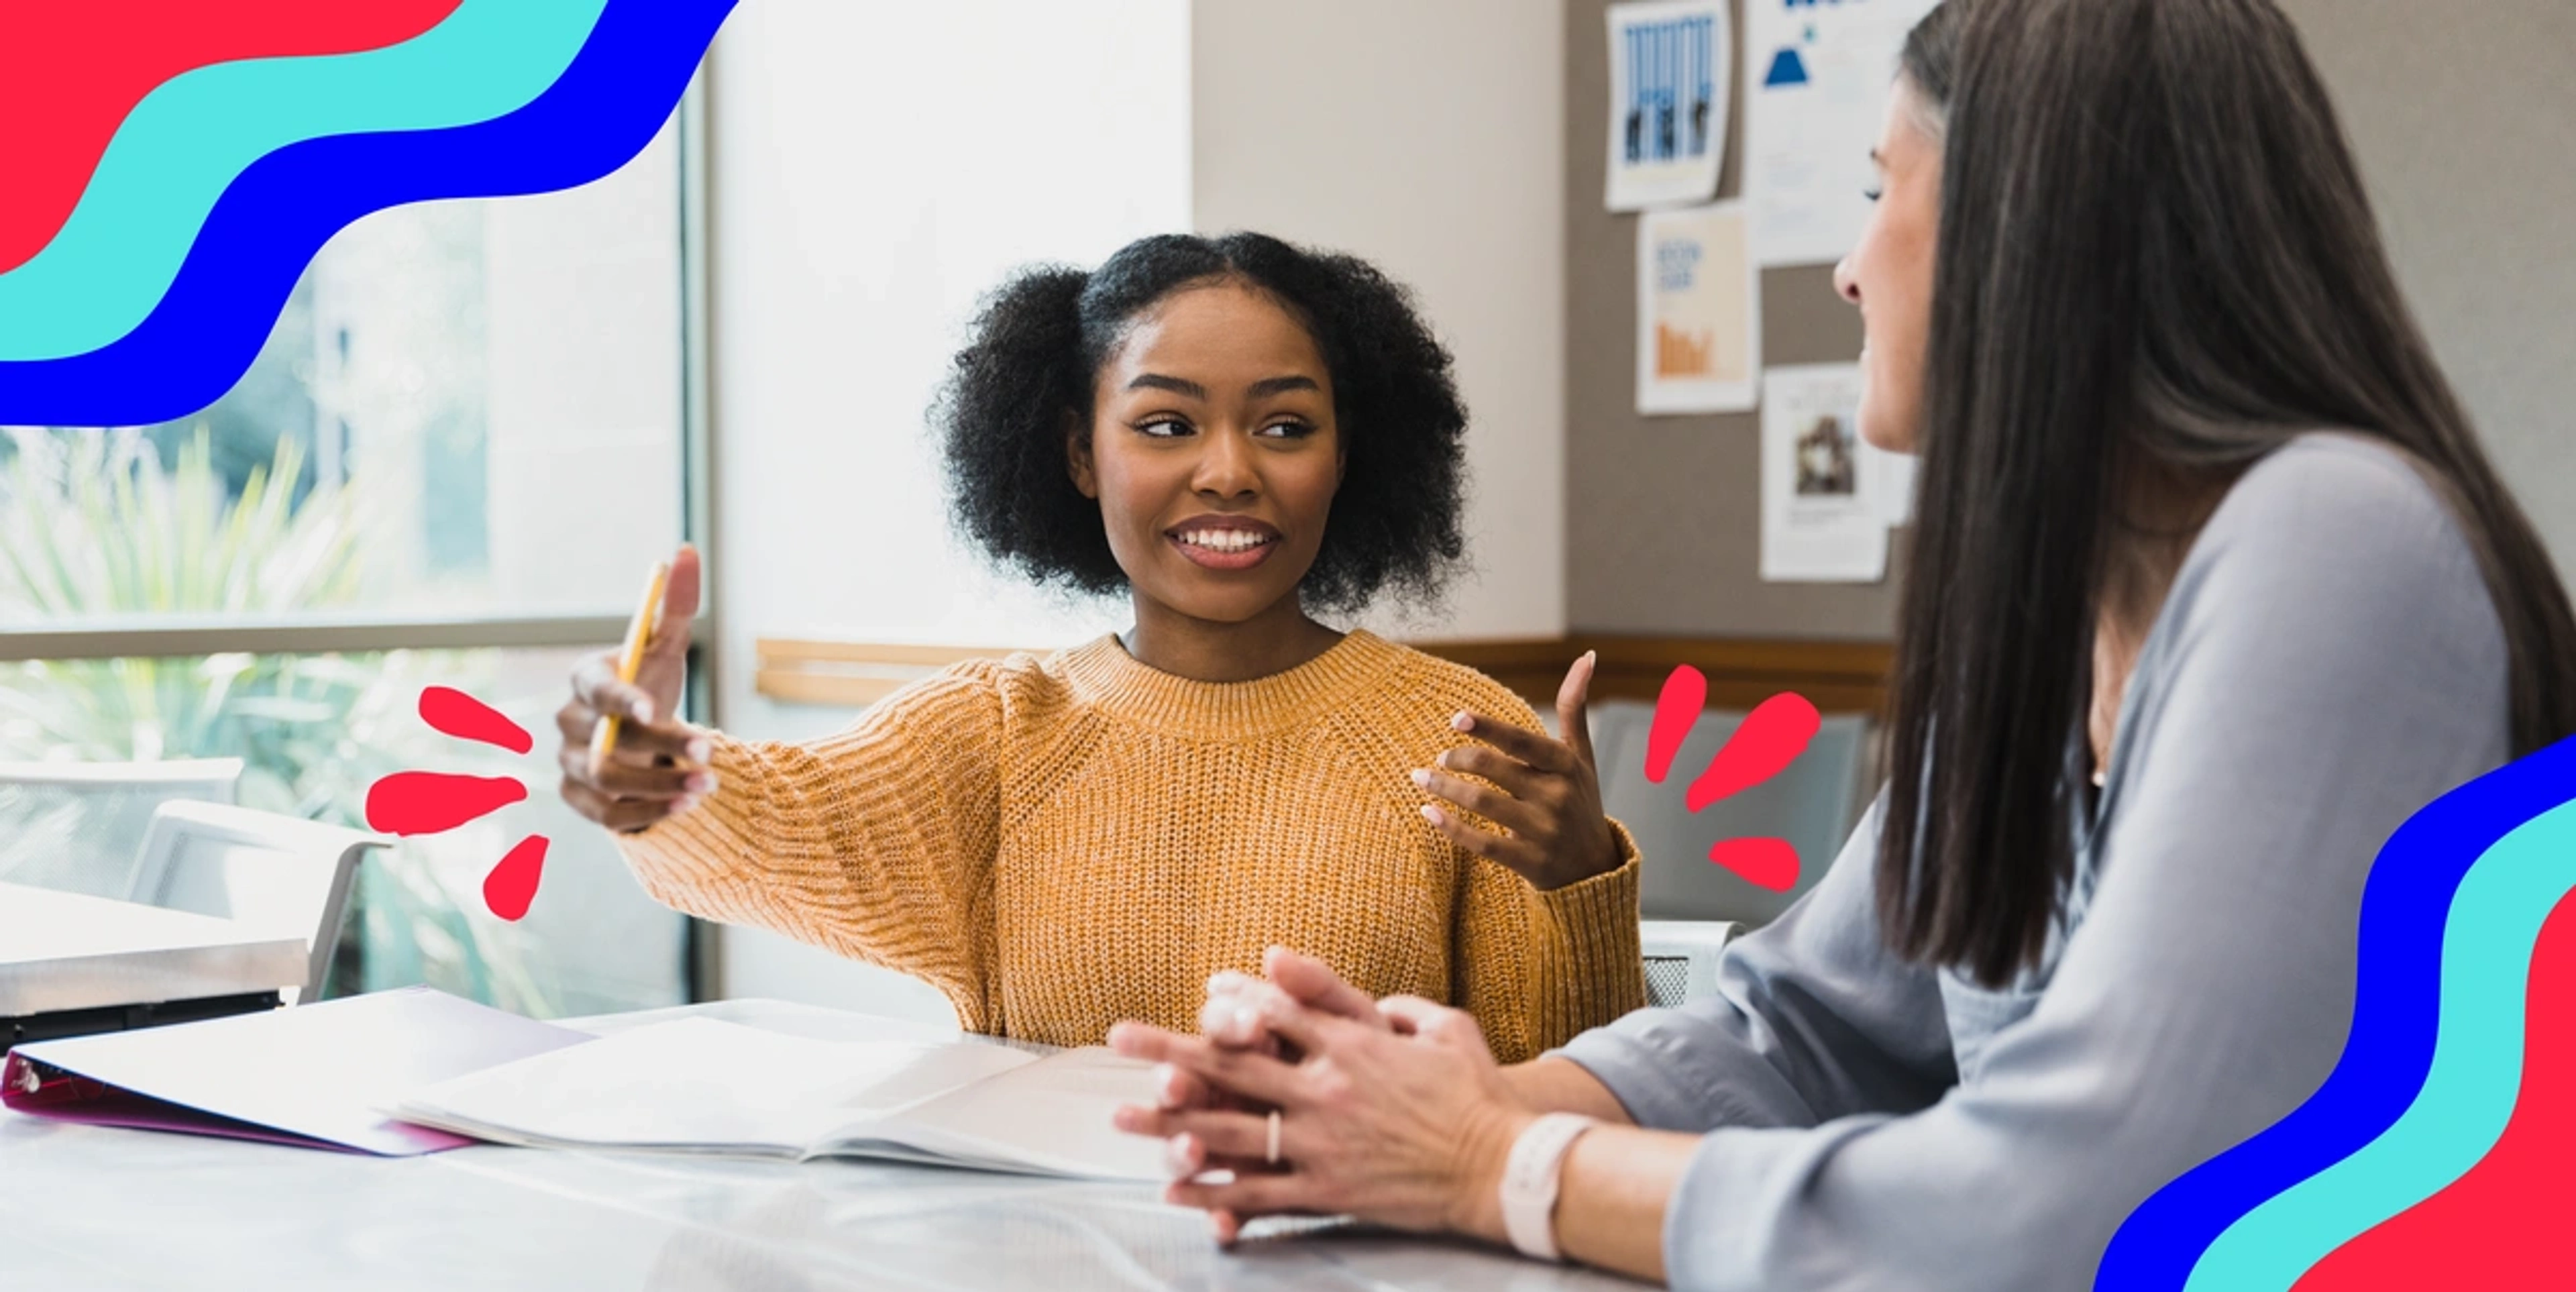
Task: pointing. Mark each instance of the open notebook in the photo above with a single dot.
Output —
(702, 1085)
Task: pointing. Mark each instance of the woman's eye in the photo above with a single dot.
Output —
(1164, 427)
(1288, 430)
(1872, 194)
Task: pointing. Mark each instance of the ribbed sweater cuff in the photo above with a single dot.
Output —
(684, 860)
(1598, 972)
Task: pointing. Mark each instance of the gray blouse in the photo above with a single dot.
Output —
(2328, 662)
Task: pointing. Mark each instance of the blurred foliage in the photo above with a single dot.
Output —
(94, 526)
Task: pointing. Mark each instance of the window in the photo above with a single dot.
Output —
(463, 443)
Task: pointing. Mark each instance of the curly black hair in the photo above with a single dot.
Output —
(1024, 383)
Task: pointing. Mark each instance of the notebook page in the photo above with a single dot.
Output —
(1050, 1117)
(701, 1084)
(323, 1071)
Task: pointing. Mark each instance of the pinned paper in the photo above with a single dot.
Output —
(1816, 85)
(1824, 511)
(1699, 312)
(1669, 68)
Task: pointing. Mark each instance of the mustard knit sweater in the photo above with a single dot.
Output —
(1061, 843)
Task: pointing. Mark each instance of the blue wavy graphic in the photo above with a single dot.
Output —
(2467, 1096)
(2396, 1016)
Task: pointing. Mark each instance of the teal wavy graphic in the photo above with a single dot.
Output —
(187, 141)
(2468, 1094)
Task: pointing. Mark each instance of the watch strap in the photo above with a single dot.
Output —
(1530, 1177)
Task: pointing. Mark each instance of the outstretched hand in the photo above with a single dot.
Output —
(658, 768)
(1545, 793)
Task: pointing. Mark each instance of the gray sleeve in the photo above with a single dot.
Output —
(2328, 663)
(1812, 1020)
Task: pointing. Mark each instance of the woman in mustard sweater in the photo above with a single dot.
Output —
(1236, 433)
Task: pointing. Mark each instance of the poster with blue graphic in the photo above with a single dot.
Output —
(1669, 81)
(1816, 79)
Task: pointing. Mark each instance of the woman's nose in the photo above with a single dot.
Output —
(1225, 465)
(1845, 284)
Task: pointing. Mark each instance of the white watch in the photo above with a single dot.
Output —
(1529, 1182)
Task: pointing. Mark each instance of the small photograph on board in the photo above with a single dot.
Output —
(1828, 458)
(1819, 522)
(1670, 63)
(1699, 311)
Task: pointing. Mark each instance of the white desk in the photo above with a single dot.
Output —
(112, 1210)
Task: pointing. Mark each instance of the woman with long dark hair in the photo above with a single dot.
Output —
(2212, 588)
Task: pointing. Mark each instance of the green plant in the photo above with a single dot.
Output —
(93, 526)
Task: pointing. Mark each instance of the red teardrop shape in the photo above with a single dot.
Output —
(428, 802)
(1769, 864)
(466, 718)
(1772, 737)
(512, 885)
(1685, 694)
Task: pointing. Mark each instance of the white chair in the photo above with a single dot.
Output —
(275, 874)
(77, 826)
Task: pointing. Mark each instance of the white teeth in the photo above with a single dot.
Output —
(1224, 540)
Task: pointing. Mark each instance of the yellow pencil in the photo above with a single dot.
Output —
(639, 632)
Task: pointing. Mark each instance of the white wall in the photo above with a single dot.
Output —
(1427, 136)
(2461, 127)
(875, 168)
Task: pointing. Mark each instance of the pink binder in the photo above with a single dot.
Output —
(312, 1076)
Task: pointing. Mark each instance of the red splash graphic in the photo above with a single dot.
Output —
(428, 802)
(513, 883)
(2502, 1223)
(407, 803)
(1770, 738)
(455, 713)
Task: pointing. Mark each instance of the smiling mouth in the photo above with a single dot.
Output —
(1225, 548)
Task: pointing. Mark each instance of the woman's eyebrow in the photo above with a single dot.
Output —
(1261, 389)
(1177, 385)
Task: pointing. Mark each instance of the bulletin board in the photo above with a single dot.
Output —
(1663, 515)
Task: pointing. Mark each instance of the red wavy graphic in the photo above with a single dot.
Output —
(2504, 1223)
(71, 72)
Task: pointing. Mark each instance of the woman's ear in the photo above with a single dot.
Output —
(1077, 459)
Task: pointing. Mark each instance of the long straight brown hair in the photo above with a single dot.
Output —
(2154, 256)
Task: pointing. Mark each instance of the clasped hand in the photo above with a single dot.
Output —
(1393, 1111)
